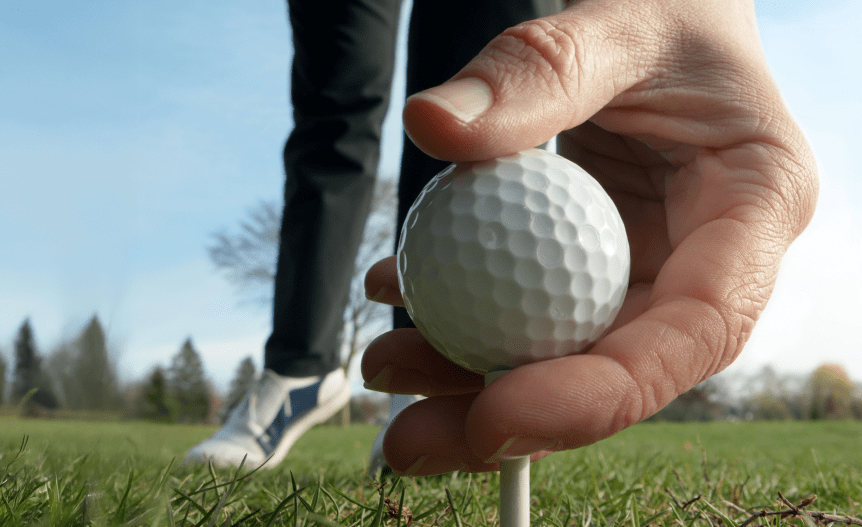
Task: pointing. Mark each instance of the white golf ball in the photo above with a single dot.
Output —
(511, 261)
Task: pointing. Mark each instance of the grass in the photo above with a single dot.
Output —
(58, 473)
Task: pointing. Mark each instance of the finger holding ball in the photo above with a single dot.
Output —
(514, 260)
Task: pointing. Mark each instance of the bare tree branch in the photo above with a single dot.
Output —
(248, 260)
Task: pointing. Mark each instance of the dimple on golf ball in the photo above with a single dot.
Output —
(513, 260)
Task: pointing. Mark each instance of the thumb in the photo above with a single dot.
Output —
(530, 83)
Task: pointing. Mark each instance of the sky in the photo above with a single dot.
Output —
(131, 132)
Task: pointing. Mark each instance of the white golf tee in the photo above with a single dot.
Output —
(514, 483)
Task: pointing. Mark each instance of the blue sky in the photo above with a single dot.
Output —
(132, 131)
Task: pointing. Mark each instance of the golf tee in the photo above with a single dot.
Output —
(514, 483)
(515, 492)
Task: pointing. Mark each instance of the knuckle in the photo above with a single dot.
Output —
(795, 184)
(778, 201)
(784, 183)
(548, 51)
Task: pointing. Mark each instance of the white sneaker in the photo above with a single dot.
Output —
(397, 403)
(273, 416)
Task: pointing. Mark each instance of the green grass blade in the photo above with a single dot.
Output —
(122, 507)
(353, 501)
(316, 497)
(169, 513)
(321, 520)
(377, 521)
(281, 505)
(401, 507)
(724, 518)
(454, 509)
(191, 501)
(633, 510)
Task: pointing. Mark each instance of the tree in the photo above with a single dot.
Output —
(769, 406)
(829, 393)
(701, 403)
(770, 396)
(188, 385)
(239, 386)
(155, 402)
(83, 370)
(856, 404)
(29, 379)
(248, 259)
(2, 377)
(26, 363)
(94, 369)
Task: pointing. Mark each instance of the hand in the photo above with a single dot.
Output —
(671, 106)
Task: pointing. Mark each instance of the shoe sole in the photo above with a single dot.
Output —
(315, 416)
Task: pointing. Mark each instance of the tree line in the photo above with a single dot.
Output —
(79, 377)
(826, 393)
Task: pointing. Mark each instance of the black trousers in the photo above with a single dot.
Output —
(341, 79)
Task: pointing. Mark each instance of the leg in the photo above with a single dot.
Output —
(341, 80)
(431, 60)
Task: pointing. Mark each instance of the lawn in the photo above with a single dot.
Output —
(133, 473)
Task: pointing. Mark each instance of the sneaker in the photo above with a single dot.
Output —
(397, 403)
(273, 416)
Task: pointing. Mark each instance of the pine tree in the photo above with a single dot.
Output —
(93, 370)
(28, 371)
(155, 402)
(83, 372)
(188, 384)
(239, 386)
(26, 363)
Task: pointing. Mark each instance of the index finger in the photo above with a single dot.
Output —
(381, 283)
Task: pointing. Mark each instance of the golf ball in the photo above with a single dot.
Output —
(513, 260)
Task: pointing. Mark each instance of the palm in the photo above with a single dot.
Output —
(713, 180)
(633, 176)
(680, 202)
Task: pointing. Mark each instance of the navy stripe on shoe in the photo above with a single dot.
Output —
(301, 401)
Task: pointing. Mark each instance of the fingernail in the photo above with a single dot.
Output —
(414, 468)
(433, 466)
(519, 447)
(466, 98)
(400, 381)
(379, 295)
(381, 381)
